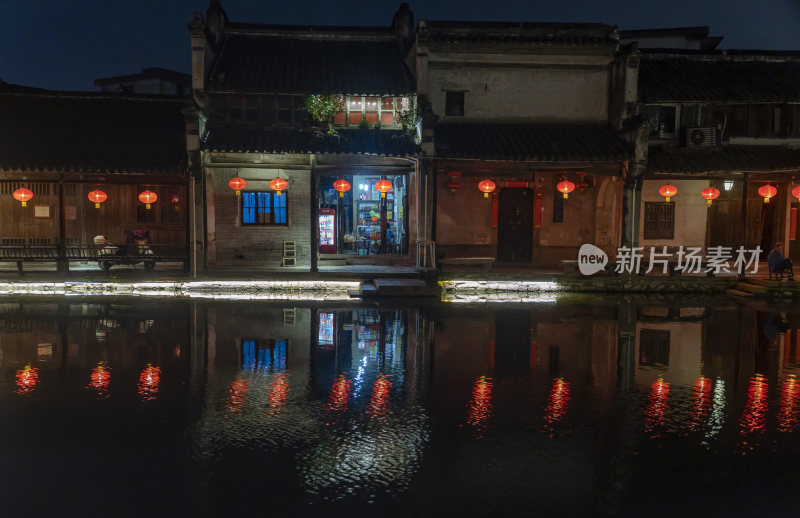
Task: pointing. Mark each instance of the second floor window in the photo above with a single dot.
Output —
(659, 220)
(267, 109)
(376, 111)
(663, 119)
(264, 208)
(454, 104)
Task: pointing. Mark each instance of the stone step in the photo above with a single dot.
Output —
(756, 289)
(760, 282)
(738, 294)
(405, 288)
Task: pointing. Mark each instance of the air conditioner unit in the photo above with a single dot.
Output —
(700, 136)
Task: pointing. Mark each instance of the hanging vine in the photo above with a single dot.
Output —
(322, 108)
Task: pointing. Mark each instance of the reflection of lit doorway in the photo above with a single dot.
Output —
(360, 221)
(767, 228)
(794, 243)
(515, 225)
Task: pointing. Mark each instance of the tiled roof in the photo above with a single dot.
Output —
(238, 138)
(530, 142)
(562, 34)
(723, 159)
(68, 131)
(686, 78)
(256, 63)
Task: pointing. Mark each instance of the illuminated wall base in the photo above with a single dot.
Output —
(498, 291)
(241, 290)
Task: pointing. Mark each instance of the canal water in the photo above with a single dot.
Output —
(614, 407)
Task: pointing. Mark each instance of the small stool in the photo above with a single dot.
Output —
(778, 275)
(289, 254)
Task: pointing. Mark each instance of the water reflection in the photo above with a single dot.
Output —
(338, 404)
(557, 404)
(480, 406)
(27, 378)
(149, 380)
(100, 379)
(657, 408)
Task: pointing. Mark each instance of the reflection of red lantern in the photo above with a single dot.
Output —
(701, 402)
(667, 191)
(565, 187)
(23, 195)
(147, 197)
(755, 410)
(480, 405)
(237, 184)
(237, 393)
(27, 379)
(383, 186)
(278, 392)
(380, 396)
(97, 197)
(767, 192)
(557, 402)
(340, 392)
(710, 193)
(100, 379)
(486, 186)
(278, 185)
(149, 380)
(790, 398)
(342, 186)
(657, 406)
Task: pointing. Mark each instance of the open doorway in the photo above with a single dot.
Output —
(358, 220)
(515, 225)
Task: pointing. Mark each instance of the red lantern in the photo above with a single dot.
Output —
(342, 186)
(667, 191)
(237, 184)
(486, 186)
(566, 187)
(147, 197)
(277, 185)
(23, 195)
(453, 186)
(97, 197)
(383, 186)
(710, 193)
(796, 192)
(767, 192)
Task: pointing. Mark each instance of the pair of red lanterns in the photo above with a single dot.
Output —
(669, 190)
(96, 196)
(383, 186)
(238, 184)
(710, 193)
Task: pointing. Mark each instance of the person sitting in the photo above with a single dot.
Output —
(777, 263)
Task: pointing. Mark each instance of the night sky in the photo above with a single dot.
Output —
(67, 44)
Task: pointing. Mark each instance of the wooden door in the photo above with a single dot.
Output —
(515, 225)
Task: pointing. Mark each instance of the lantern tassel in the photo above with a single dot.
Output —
(341, 194)
(486, 195)
(147, 206)
(566, 196)
(96, 205)
(709, 202)
(24, 204)
(667, 199)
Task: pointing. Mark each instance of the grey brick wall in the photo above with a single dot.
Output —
(231, 243)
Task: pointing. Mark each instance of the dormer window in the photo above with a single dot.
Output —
(376, 111)
(663, 119)
(454, 104)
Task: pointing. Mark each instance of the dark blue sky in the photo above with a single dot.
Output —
(64, 44)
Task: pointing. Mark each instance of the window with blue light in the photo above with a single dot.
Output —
(264, 208)
(259, 354)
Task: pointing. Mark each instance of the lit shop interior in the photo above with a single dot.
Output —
(363, 214)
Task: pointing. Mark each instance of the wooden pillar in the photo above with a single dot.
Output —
(314, 234)
(62, 262)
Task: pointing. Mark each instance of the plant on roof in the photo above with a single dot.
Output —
(409, 115)
(322, 108)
